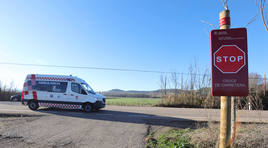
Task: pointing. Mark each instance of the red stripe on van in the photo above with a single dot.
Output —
(22, 96)
(34, 95)
(33, 78)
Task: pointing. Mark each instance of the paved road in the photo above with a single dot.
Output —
(114, 126)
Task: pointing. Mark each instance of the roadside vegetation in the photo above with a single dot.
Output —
(193, 89)
(248, 136)
(6, 91)
(133, 101)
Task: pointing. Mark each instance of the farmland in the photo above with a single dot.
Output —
(133, 101)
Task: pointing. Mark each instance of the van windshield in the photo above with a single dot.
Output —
(87, 88)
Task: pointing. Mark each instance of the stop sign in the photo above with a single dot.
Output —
(229, 62)
(229, 59)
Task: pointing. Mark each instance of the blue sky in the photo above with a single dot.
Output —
(162, 35)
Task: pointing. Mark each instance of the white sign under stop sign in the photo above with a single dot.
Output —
(229, 59)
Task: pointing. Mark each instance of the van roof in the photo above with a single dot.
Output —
(47, 77)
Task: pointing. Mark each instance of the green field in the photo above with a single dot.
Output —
(133, 101)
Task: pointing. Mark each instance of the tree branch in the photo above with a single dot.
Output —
(208, 23)
(251, 20)
(261, 6)
(225, 5)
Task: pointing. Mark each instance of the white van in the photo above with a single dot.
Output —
(60, 91)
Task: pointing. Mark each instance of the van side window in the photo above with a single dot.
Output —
(83, 92)
(75, 87)
(29, 83)
(78, 89)
(51, 86)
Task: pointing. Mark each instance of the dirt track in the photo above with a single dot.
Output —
(114, 126)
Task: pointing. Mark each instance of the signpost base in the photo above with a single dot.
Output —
(225, 126)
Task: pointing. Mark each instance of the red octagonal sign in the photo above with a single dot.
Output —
(229, 59)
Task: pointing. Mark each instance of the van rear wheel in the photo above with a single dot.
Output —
(33, 105)
(87, 107)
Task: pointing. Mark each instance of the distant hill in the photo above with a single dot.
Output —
(135, 93)
(116, 90)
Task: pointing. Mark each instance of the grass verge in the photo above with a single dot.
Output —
(248, 136)
(170, 139)
(133, 101)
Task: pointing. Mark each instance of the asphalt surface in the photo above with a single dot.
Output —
(114, 126)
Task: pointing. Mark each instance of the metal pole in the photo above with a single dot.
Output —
(225, 123)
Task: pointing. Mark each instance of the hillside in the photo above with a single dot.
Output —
(135, 93)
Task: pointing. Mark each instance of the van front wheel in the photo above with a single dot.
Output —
(33, 105)
(87, 107)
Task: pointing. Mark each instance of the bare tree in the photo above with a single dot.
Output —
(182, 88)
(163, 83)
(261, 5)
(225, 4)
(255, 80)
(175, 83)
(193, 72)
(191, 77)
(255, 90)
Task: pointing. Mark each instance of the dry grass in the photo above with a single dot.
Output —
(207, 136)
(253, 135)
(248, 136)
(190, 99)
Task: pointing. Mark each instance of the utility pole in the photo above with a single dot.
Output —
(225, 123)
(264, 85)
